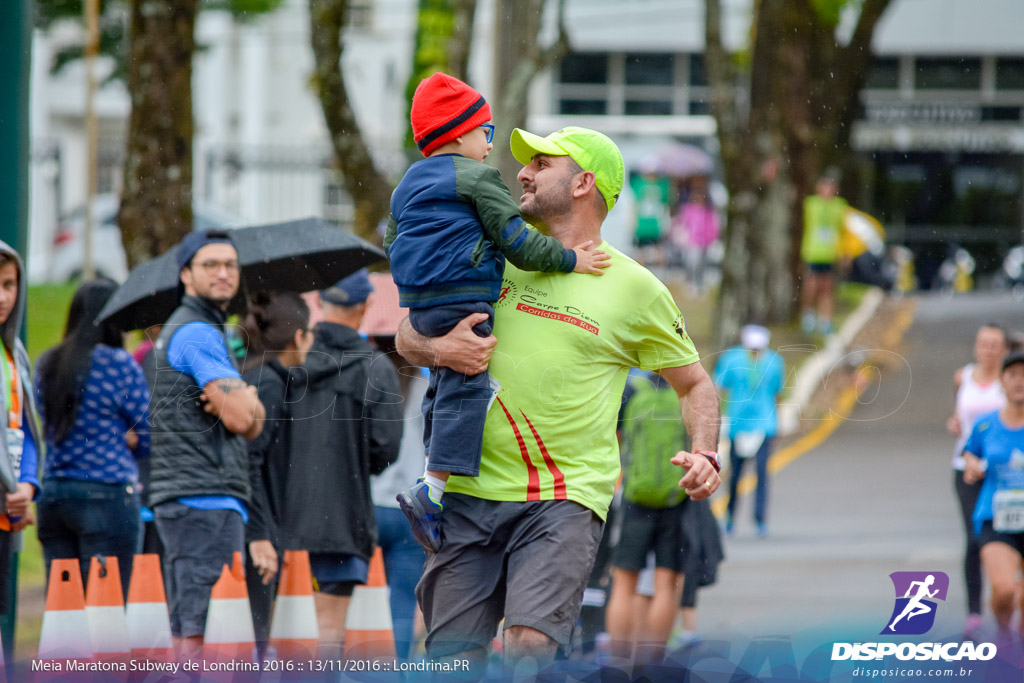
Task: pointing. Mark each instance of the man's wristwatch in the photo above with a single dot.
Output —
(713, 457)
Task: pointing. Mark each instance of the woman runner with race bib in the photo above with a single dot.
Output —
(994, 454)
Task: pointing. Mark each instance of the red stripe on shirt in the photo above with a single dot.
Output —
(533, 487)
(549, 461)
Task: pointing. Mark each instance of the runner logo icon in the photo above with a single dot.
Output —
(916, 593)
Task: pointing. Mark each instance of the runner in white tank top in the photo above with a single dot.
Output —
(978, 391)
(973, 399)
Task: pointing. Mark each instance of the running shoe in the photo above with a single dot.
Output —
(684, 639)
(762, 530)
(728, 524)
(973, 625)
(826, 327)
(424, 515)
(808, 323)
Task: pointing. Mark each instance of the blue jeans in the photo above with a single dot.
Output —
(761, 495)
(455, 405)
(403, 565)
(79, 519)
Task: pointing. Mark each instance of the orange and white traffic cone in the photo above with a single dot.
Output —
(147, 619)
(229, 631)
(104, 611)
(294, 633)
(65, 632)
(368, 628)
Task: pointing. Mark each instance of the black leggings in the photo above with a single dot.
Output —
(968, 497)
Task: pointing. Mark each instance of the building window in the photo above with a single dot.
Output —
(337, 205)
(948, 73)
(360, 14)
(584, 68)
(884, 74)
(649, 69)
(631, 84)
(698, 72)
(648, 108)
(1009, 73)
(583, 107)
(700, 108)
(1001, 114)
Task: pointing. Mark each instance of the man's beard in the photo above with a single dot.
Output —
(219, 301)
(545, 208)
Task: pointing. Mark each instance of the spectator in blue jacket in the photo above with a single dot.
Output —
(452, 225)
(95, 404)
(751, 378)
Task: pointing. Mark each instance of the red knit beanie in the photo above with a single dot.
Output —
(443, 108)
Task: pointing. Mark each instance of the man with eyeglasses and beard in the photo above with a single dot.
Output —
(201, 413)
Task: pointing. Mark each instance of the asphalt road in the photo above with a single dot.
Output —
(874, 498)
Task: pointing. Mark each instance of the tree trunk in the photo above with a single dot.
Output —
(518, 58)
(444, 36)
(822, 100)
(368, 188)
(156, 206)
(461, 39)
(775, 149)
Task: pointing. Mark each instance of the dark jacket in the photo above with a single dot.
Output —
(452, 225)
(346, 409)
(268, 454)
(192, 452)
(702, 543)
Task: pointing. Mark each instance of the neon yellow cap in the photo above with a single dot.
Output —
(593, 151)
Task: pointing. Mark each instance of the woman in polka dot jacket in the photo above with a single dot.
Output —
(95, 408)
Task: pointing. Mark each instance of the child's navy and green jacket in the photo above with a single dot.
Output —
(452, 225)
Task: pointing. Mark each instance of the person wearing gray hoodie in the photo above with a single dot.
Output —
(19, 450)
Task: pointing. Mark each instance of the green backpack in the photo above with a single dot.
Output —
(653, 432)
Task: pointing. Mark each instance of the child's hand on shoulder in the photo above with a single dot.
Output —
(590, 259)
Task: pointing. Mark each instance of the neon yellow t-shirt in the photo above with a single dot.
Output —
(823, 227)
(565, 345)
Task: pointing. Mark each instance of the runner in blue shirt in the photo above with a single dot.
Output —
(994, 453)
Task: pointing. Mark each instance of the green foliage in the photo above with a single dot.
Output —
(47, 311)
(243, 10)
(50, 11)
(829, 11)
(114, 26)
(434, 25)
(113, 29)
(113, 43)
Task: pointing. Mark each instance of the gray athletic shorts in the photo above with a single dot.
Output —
(526, 562)
(197, 545)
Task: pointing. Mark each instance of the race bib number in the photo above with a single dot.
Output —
(1008, 511)
(15, 446)
(825, 235)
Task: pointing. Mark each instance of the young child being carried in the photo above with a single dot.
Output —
(452, 225)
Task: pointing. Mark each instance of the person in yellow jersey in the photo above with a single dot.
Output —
(518, 541)
(820, 252)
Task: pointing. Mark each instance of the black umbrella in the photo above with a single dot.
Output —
(300, 255)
